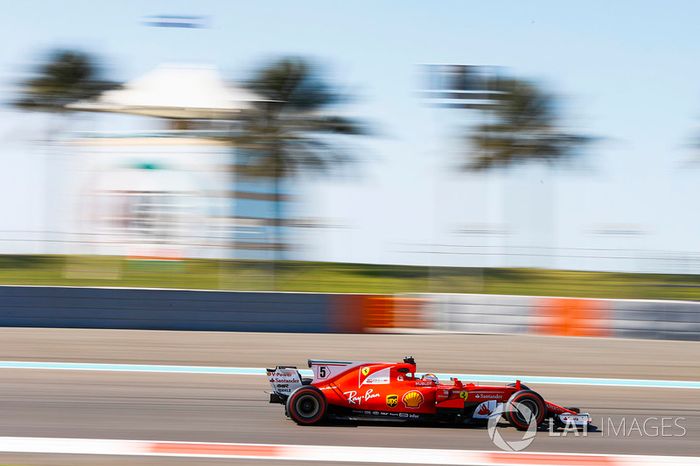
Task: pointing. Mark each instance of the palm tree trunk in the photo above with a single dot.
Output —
(277, 236)
(277, 254)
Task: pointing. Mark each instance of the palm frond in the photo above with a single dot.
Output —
(525, 129)
(65, 77)
(293, 129)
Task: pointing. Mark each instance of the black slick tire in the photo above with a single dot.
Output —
(307, 406)
(532, 401)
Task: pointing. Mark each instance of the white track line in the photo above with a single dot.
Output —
(323, 453)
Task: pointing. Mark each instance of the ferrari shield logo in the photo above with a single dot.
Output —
(392, 400)
(365, 371)
(464, 395)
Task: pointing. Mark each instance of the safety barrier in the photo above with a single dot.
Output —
(677, 320)
(358, 313)
(125, 308)
(672, 320)
(573, 317)
(476, 313)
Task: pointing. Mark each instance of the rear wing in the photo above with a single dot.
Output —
(284, 380)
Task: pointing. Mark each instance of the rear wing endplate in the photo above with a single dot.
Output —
(284, 380)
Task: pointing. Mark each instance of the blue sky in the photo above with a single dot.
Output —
(626, 71)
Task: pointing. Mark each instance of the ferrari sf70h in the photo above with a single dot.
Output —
(393, 391)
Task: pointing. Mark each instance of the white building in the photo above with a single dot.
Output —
(164, 191)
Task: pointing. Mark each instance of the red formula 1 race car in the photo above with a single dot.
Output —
(393, 391)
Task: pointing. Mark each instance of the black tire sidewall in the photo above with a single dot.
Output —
(517, 397)
(306, 391)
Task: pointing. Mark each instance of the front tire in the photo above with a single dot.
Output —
(532, 401)
(307, 406)
(522, 386)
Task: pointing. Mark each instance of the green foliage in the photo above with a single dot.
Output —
(339, 277)
(65, 77)
(289, 131)
(521, 126)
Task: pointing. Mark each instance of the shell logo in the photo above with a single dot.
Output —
(412, 399)
(365, 371)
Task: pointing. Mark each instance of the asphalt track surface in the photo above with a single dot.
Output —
(219, 408)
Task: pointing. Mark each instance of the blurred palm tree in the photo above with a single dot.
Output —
(521, 126)
(292, 129)
(65, 77)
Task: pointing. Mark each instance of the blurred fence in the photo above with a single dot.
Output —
(124, 308)
(217, 243)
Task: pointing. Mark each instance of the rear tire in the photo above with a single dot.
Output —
(531, 401)
(307, 406)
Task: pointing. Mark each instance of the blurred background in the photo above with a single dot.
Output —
(463, 147)
(477, 184)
